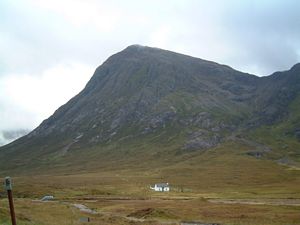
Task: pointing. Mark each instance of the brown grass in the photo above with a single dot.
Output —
(202, 185)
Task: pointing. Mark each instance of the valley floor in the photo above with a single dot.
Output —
(116, 199)
(224, 185)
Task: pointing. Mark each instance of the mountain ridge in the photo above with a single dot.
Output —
(141, 93)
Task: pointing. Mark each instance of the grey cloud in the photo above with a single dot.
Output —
(8, 136)
(261, 33)
(268, 32)
(244, 34)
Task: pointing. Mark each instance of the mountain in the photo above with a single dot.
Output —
(147, 106)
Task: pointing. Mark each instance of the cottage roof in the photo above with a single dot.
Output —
(162, 185)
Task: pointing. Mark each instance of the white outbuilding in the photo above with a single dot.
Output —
(161, 187)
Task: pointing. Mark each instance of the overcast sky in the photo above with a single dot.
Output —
(49, 49)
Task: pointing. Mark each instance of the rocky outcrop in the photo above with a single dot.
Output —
(201, 140)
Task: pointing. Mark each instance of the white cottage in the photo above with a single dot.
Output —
(161, 187)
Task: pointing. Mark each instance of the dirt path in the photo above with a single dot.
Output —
(278, 202)
(84, 208)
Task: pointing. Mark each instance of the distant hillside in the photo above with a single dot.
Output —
(145, 106)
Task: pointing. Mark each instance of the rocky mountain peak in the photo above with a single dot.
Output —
(142, 92)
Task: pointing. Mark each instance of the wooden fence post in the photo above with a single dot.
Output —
(8, 188)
